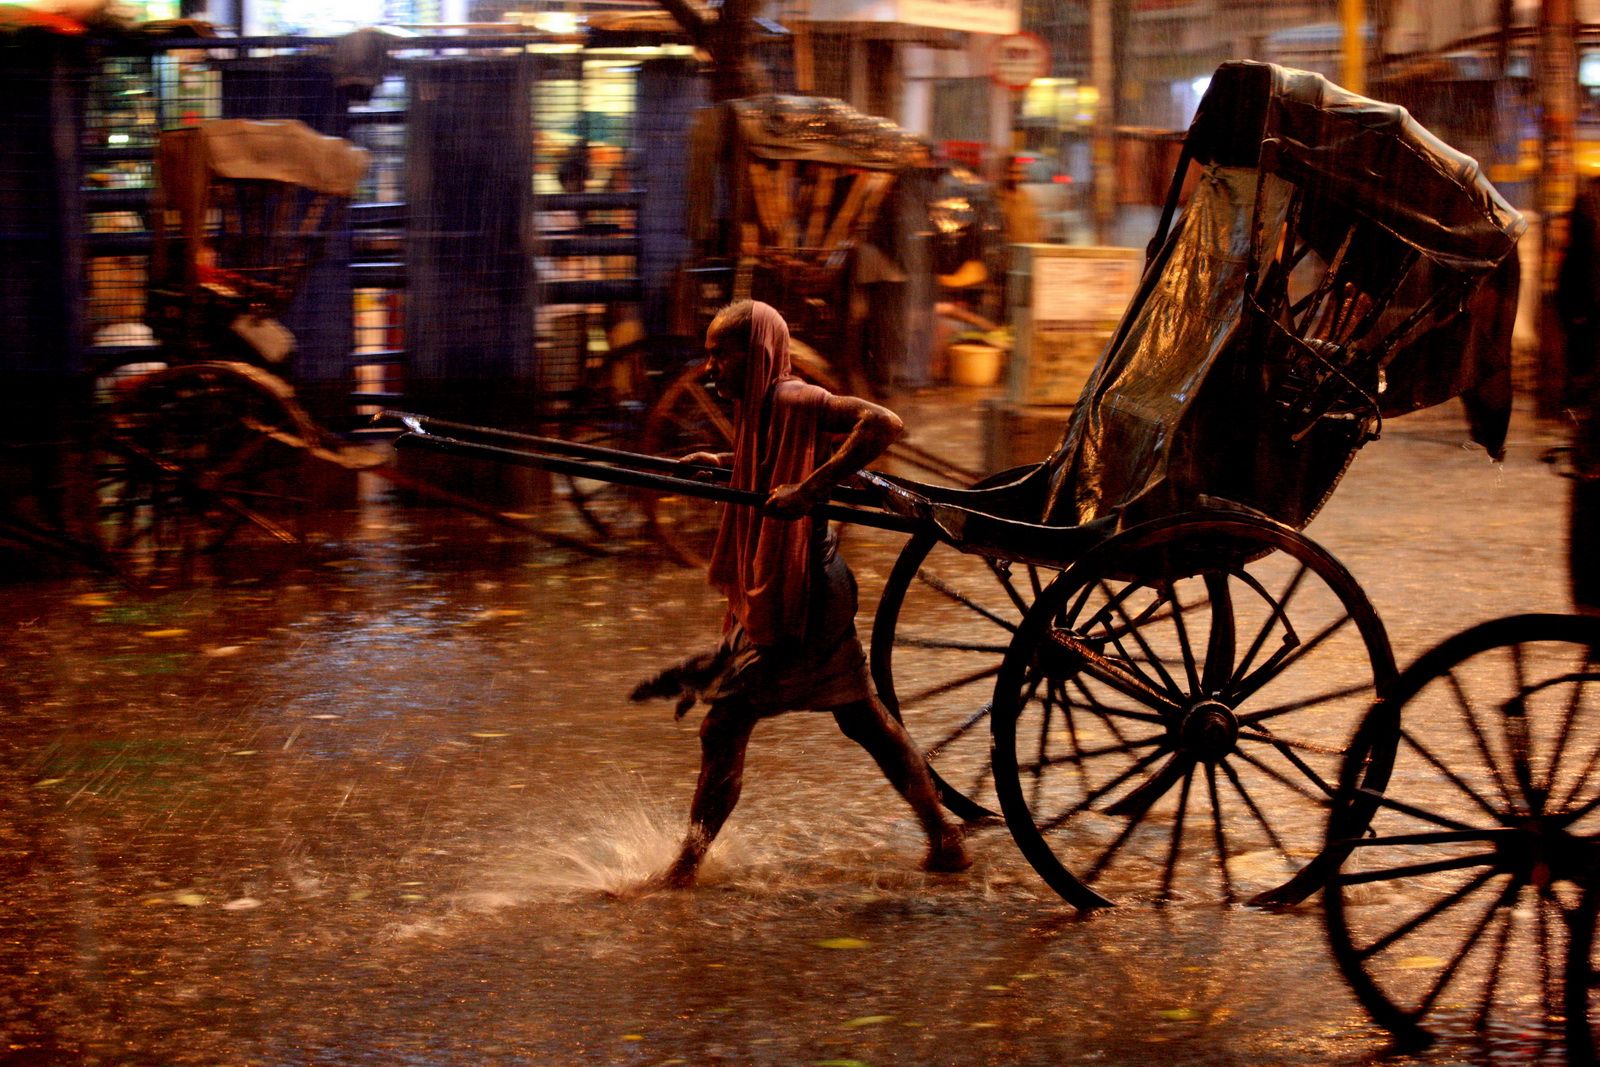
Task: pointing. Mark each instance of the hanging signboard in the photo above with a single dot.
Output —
(1017, 59)
(972, 16)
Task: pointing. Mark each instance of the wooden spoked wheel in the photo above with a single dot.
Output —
(1170, 719)
(689, 417)
(943, 624)
(197, 457)
(1462, 886)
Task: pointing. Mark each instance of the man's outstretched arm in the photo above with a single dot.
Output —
(869, 429)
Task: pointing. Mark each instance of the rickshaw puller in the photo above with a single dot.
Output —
(789, 638)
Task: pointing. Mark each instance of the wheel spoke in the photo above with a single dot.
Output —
(1434, 911)
(982, 714)
(1417, 870)
(1410, 738)
(1135, 630)
(1327, 697)
(1176, 844)
(1384, 800)
(1113, 673)
(1500, 906)
(1276, 616)
(1090, 799)
(950, 685)
(1254, 809)
(1002, 574)
(1219, 833)
(1287, 656)
(1464, 707)
(933, 581)
(1191, 669)
(1283, 779)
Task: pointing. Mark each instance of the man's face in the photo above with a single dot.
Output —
(726, 362)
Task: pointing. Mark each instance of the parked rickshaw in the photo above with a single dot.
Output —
(202, 445)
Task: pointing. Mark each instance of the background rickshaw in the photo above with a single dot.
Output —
(1173, 669)
(204, 444)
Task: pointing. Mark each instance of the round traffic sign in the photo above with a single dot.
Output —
(1018, 58)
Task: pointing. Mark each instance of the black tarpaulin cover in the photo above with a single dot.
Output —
(1336, 264)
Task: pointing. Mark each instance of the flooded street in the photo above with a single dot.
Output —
(389, 807)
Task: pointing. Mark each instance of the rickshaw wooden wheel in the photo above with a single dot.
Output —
(689, 417)
(1458, 902)
(613, 409)
(197, 457)
(1170, 717)
(943, 623)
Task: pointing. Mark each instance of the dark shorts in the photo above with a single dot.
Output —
(827, 670)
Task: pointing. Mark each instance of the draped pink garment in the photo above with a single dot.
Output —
(761, 563)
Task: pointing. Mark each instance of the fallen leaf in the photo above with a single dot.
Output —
(869, 1020)
(1178, 1015)
(490, 733)
(164, 633)
(43, 782)
(92, 600)
(841, 942)
(997, 988)
(222, 650)
(188, 898)
(243, 752)
(1419, 963)
(633, 1037)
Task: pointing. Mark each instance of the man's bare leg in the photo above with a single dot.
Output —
(869, 725)
(724, 736)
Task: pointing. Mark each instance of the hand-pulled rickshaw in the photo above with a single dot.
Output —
(1133, 651)
(202, 444)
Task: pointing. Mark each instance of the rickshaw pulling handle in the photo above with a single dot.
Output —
(640, 471)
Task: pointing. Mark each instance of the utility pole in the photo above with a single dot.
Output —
(1557, 187)
(1102, 71)
(1353, 25)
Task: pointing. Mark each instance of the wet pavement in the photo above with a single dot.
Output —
(389, 806)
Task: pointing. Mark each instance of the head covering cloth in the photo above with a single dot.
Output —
(761, 563)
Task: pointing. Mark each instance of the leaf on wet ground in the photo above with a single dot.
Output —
(243, 752)
(868, 1020)
(171, 632)
(219, 651)
(1419, 963)
(93, 600)
(841, 943)
(633, 1037)
(45, 783)
(188, 898)
(1178, 1015)
(490, 733)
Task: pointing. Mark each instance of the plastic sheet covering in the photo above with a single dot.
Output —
(1336, 264)
(283, 150)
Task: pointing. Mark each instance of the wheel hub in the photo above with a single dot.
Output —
(1209, 730)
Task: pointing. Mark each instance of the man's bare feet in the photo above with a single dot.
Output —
(681, 875)
(947, 855)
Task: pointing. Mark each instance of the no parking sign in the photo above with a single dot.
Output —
(1017, 59)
